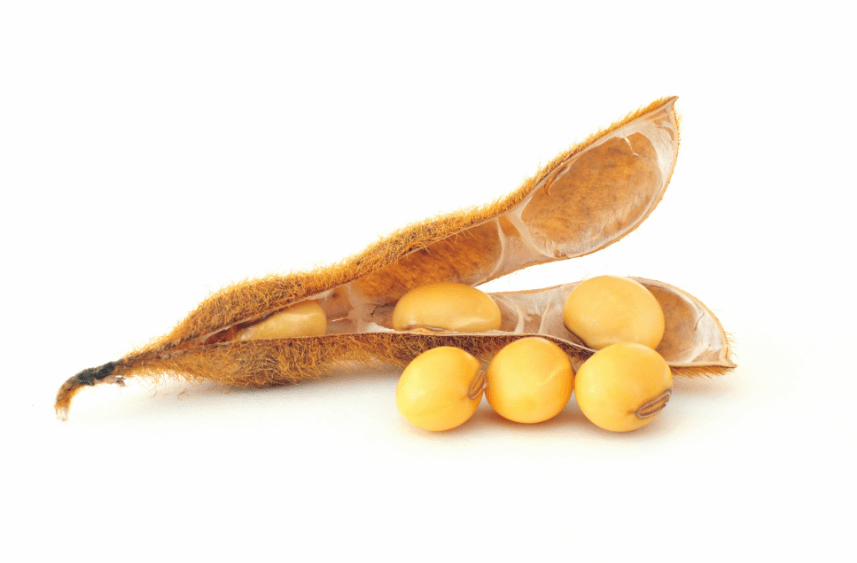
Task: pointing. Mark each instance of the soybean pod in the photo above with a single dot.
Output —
(585, 199)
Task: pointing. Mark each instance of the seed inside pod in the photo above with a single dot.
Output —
(610, 309)
(609, 184)
(446, 306)
(303, 319)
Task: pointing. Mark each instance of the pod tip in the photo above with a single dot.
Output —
(87, 377)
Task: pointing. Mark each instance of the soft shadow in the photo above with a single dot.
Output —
(486, 419)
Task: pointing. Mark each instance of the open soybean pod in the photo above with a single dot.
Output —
(582, 201)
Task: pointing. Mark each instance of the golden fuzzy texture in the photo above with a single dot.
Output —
(608, 186)
(265, 363)
(250, 299)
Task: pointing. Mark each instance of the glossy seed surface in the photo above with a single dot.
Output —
(607, 310)
(529, 381)
(446, 306)
(440, 389)
(623, 387)
(303, 319)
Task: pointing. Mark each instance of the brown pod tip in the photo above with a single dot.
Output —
(88, 377)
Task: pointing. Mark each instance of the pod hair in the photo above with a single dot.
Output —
(585, 199)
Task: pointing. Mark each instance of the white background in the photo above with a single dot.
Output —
(153, 152)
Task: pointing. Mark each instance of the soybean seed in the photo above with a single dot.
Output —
(610, 309)
(623, 387)
(440, 389)
(303, 319)
(530, 380)
(446, 306)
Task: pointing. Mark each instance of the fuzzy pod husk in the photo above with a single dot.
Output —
(585, 199)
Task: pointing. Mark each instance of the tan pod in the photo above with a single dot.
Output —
(609, 183)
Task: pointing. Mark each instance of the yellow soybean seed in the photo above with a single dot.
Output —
(446, 306)
(530, 380)
(303, 319)
(440, 389)
(610, 309)
(623, 387)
